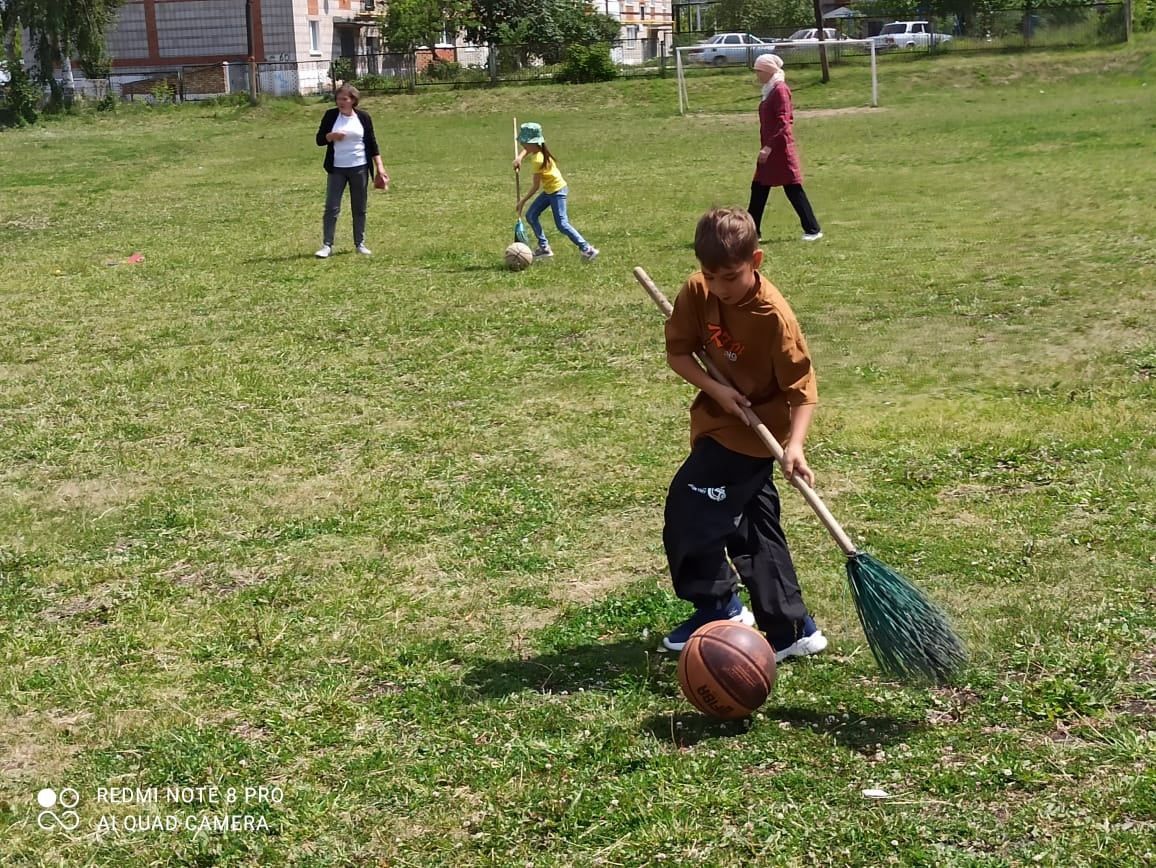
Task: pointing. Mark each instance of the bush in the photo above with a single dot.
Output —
(373, 83)
(163, 92)
(342, 69)
(1144, 15)
(107, 103)
(236, 98)
(584, 64)
(21, 100)
(443, 70)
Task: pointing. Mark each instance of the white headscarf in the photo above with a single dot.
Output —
(774, 64)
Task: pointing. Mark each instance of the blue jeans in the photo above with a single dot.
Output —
(556, 202)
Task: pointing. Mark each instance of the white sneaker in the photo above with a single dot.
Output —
(543, 253)
(589, 253)
(812, 236)
(803, 647)
(324, 252)
(363, 250)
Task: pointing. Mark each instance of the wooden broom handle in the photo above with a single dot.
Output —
(517, 174)
(809, 495)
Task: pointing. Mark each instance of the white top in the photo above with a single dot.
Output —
(349, 153)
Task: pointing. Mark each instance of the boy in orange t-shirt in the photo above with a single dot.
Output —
(723, 507)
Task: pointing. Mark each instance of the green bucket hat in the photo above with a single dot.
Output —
(531, 134)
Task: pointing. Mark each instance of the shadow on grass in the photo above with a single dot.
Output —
(859, 733)
(601, 667)
(288, 257)
(498, 268)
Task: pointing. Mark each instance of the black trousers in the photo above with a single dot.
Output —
(798, 199)
(358, 181)
(721, 504)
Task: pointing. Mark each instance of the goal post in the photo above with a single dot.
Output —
(693, 60)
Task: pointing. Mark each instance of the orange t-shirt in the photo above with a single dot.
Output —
(758, 346)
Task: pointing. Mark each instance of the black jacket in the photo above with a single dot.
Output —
(371, 148)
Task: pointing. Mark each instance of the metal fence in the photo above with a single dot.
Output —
(464, 66)
(461, 66)
(1020, 27)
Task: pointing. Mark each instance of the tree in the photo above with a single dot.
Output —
(762, 16)
(410, 23)
(60, 30)
(543, 22)
(491, 17)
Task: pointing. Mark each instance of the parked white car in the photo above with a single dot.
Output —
(724, 48)
(908, 34)
(810, 51)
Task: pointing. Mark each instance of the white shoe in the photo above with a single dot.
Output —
(363, 250)
(543, 253)
(590, 253)
(812, 236)
(324, 252)
(807, 645)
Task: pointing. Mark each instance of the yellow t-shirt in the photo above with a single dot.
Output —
(552, 180)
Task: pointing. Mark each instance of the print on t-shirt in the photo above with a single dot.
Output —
(718, 336)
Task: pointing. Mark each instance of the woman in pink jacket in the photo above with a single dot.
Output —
(778, 163)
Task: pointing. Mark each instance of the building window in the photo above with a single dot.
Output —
(315, 37)
(642, 11)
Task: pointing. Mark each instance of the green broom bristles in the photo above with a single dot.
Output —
(520, 233)
(908, 635)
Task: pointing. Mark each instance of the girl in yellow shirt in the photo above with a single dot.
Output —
(554, 193)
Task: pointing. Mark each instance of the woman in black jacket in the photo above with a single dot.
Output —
(351, 157)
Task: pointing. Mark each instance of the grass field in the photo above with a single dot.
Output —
(384, 534)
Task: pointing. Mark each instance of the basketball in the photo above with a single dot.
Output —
(518, 256)
(726, 670)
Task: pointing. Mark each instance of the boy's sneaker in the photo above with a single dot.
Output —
(812, 236)
(363, 250)
(589, 253)
(811, 641)
(543, 253)
(728, 609)
(324, 252)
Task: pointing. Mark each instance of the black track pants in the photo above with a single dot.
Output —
(723, 503)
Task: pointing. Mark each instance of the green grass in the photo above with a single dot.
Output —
(386, 533)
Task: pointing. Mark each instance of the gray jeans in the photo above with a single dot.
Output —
(358, 181)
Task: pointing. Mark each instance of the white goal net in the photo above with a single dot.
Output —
(701, 62)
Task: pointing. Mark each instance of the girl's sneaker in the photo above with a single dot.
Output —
(323, 252)
(543, 253)
(810, 641)
(589, 253)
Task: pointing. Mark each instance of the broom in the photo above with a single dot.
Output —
(519, 227)
(909, 636)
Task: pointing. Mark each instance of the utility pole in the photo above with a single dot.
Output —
(821, 33)
(249, 49)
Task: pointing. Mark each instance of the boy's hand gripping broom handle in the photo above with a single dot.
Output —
(813, 500)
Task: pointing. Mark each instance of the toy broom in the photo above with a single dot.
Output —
(519, 227)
